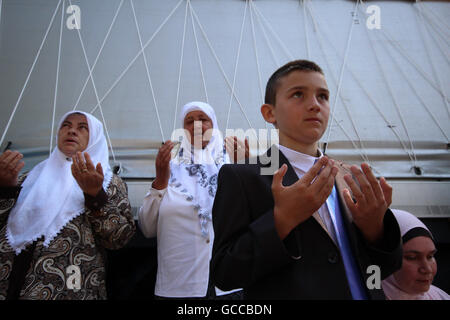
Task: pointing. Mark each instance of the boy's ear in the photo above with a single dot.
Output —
(268, 113)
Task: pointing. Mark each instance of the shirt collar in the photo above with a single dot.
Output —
(300, 160)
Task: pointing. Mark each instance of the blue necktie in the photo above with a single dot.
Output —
(351, 268)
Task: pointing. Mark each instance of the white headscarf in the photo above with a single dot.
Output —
(410, 227)
(50, 196)
(193, 172)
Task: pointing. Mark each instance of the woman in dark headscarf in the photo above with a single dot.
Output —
(413, 280)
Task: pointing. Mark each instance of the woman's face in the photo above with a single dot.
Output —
(199, 126)
(419, 266)
(73, 136)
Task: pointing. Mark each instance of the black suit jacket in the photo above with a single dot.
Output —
(249, 254)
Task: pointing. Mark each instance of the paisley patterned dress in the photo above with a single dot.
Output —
(72, 267)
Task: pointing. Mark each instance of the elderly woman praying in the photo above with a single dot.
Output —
(57, 220)
(177, 209)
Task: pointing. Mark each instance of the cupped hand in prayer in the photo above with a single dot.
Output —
(372, 198)
(297, 202)
(10, 165)
(237, 149)
(88, 177)
(162, 165)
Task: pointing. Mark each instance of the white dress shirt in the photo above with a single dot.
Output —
(183, 254)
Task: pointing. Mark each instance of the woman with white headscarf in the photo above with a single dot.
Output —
(56, 221)
(413, 280)
(177, 209)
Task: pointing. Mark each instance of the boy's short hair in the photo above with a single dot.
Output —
(296, 65)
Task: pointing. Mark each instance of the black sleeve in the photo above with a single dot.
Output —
(97, 202)
(8, 197)
(387, 254)
(9, 192)
(243, 250)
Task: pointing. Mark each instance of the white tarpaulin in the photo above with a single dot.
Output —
(386, 63)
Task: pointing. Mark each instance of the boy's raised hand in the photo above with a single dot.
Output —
(372, 197)
(296, 203)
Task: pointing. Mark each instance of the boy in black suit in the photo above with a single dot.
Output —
(312, 229)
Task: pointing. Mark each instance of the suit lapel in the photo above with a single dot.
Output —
(290, 177)
(319, 220)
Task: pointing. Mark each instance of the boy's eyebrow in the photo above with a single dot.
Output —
(305, 87)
